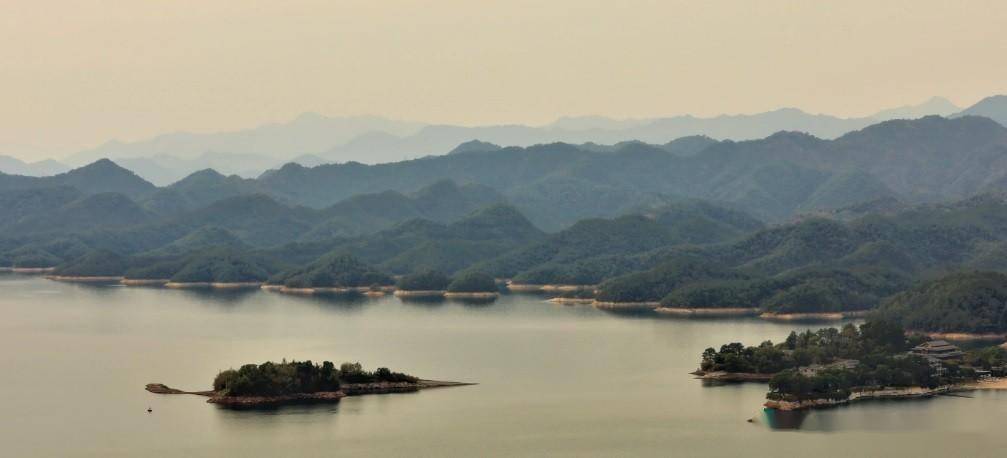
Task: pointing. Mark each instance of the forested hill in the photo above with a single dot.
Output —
(966, 302)
(555, 185)
(816, 264)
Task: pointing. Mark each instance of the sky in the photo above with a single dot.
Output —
(78, 73)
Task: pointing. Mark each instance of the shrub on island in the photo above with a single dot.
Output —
(473, 282)
(428, 280)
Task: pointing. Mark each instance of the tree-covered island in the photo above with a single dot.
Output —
(271, 384)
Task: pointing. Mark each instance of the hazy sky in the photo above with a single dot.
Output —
(77, 73)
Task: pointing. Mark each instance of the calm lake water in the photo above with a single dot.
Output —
(553, 381)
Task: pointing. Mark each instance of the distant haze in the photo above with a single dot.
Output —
(77, 74)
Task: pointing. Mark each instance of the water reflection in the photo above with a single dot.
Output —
(218, 296)
(473, 302)
(783, 419)
(343, 302)
(424, 301)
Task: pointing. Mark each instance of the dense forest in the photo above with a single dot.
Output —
(964, 302)
(822, 347)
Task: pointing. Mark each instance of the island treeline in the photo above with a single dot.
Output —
(299, 377)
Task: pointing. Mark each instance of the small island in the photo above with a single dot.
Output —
(274, 384)
(833, 366)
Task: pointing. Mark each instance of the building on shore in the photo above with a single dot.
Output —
(936, 353)
(938, 349)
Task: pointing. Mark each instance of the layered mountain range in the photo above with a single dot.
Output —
(312, 139)
(786, 223)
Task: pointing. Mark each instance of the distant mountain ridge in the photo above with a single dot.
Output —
(774, 178)
(14, 166)
(993, 107)
(100, 176)
(311, 139)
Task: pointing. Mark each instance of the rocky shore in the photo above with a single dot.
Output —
(722, 376)
(914, 392)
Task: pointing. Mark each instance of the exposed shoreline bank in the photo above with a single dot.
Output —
(545, 288)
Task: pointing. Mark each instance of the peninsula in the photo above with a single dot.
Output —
(878, 360)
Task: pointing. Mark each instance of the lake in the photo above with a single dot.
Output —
(553, 381)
